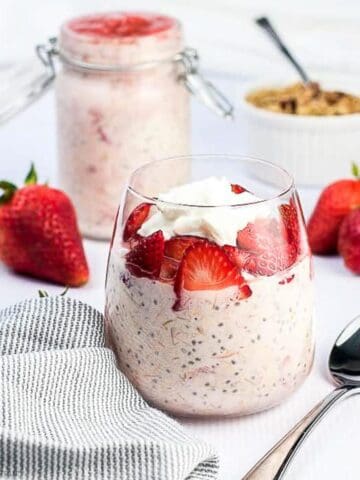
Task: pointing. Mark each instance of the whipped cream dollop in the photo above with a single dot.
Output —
(219, 224)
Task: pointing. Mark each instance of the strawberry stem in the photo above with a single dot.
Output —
(31, 177)
(9, 189)
(62, 294)
(44, 293)
(355, 170)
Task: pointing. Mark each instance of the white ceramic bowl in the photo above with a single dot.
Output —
(316, 150)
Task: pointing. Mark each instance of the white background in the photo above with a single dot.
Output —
(326, 35)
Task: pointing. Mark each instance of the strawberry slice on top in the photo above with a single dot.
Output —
(169, 268)
(237, 256)
(262, 234)
(269, 247)
(236, 188)
(269, 262)
(146, 257)
(136, 218)
(290, 220)
(175, 247)
(205, 266)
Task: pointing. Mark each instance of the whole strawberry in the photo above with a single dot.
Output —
(349, 241)
(39, 235)
(335, 202)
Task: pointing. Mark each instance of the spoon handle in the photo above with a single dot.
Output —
(274, 464)
(264, 23)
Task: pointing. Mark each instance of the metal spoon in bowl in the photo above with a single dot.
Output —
(344, 367)
(264, 23)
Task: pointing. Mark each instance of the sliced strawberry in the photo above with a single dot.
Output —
(269, 262)
(134, 240)
(290, 219)
(177, 246)
(145, 259)
(168, 270)
(136, 218)
(263, 234)
(205, 266)
(286, 280)
(237, 256)
(235, 188)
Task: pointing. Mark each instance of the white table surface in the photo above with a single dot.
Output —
(332, 451)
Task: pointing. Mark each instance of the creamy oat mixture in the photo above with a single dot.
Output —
(218, 356)
(111, 123)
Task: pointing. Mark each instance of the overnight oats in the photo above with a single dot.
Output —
(209, 302)
(119, 105)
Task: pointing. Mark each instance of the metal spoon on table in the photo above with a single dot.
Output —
(264, 23)
(344, 367)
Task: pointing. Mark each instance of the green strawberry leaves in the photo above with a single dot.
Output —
(8, 191)
(9, 188)
(31, 177)
(355, 170)
(44, 293)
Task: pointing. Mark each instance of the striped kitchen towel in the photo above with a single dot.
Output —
(67, 412)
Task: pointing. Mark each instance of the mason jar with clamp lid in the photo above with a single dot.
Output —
(122, 98)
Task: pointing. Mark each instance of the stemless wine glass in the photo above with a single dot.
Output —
(209, 301)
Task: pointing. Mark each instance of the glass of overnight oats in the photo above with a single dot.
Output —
(209, 298)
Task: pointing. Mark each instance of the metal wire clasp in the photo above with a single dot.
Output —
(188, 60)
(46, 53)
(201, 88)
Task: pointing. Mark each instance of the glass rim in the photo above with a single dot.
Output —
(149, 199)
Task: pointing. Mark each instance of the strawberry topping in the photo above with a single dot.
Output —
(146, 257)
(237, 256)
(290, 219)
(268, 247)
(168, 270)
(269, 262)
(115, 25)
(205, 266)
(287, 280)
(136, 218)
(177, 246)
(235, 188)
(263, 234)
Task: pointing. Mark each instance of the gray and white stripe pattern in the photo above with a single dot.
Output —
(67, 412)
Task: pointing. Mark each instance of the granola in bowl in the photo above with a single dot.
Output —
(305, 99)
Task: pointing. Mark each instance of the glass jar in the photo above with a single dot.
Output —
(110, 122)
(122, 96)
(209, 296)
